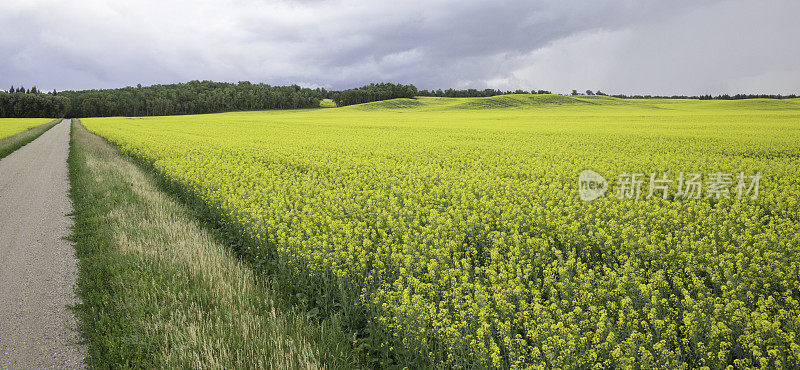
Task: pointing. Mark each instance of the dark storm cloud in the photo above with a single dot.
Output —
(624, 46)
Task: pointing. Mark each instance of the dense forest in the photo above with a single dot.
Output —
(372, 92)
(194, 97)
(197, 97)
(20, 103)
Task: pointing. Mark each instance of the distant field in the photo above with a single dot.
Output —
(13, 126)
(327, 103)
(17, 132)
(451, 232)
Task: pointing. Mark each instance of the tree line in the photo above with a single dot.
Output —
(195, 97)
(474, 93)
(198, 97)
(700, 97)
(19, 103)
(709, 97)
(384, 91)
(372, 92)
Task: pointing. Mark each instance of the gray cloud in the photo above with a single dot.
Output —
(617, 46)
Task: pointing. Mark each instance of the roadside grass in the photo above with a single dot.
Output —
(9, 144)
(161, 290)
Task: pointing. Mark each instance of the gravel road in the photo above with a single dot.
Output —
(37, 267)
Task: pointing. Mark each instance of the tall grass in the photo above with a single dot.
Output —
(159, 290)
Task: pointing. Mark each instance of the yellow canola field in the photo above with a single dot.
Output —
(13, 126)
(451, 231)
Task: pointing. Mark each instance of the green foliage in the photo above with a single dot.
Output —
(189, 98)
(455, 237)
(474, 93)
(373, 92)
(185, 98)
(20, 104)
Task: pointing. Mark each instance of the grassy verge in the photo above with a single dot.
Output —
(9, 144)
(159, 290)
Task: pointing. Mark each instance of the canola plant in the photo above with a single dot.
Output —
(449, 232)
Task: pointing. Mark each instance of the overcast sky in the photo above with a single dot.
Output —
(658, 47)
